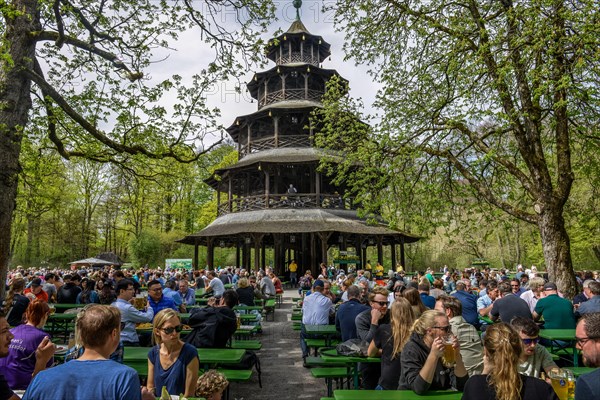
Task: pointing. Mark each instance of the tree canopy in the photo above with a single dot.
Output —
(489, 99)
(77, 73)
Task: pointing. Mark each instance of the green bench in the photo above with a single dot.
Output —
(318, 343)
(269, 309)
(329, 374)
(236, 375)
(246, 344)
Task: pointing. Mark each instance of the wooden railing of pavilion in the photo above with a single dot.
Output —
(269, 143)
(290, 94)
(278, 201)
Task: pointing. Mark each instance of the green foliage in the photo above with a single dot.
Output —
(146, 249)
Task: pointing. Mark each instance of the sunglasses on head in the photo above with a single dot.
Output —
(381, 303)
(169, 331)
(531, 341)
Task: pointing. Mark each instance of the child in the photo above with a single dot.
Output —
(211, 385)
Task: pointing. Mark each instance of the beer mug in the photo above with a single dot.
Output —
(560, 382)
(448, 359)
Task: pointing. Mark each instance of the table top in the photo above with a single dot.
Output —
(394, 395)
(333, 356)
(65, 306)
(558, 334)
(320, 329)
(207, 356)
(577, 371)
(62, 317)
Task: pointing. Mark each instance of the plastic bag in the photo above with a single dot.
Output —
(353, 348)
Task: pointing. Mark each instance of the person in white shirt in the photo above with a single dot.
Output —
(535, 292)
(316, 310)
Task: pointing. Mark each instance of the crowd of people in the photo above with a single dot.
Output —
(491, 321)
(107, 324)
(477, 331)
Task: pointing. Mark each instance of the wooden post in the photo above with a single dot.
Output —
(195, 260)
(402, 260)
(210, 253)
(380, 249)
(393, 249)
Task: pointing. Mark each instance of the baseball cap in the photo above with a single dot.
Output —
(550, 286)
(319, 282)
(36, 282)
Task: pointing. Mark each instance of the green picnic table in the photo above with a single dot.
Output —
(327, 331)
(351, 362)
(394, 395)
(567, 335)
(137, 357)
(61, 307)
(62, 323)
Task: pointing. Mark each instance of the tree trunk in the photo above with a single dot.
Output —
(15, 104)
(557, 251)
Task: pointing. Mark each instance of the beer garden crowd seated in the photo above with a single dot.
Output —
(438, 346)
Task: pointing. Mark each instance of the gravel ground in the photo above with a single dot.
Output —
(283, 376)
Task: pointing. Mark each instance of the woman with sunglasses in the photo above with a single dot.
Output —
(171, 363)
(388, 342)
(423, 368)
(535, 359)
(501, 379)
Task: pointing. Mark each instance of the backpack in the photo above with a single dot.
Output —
(249, 361)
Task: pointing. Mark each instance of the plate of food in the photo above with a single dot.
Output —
(61, 349)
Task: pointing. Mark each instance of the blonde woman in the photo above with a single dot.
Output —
(421, 358)
(171, 363)
(388, 342)
(501, 379)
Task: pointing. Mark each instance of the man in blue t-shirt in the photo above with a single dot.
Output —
(587, 335)
(156, 298)
(93, 375)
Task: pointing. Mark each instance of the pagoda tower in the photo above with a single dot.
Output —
(274, 196)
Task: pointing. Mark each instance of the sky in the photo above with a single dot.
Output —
(191, 57)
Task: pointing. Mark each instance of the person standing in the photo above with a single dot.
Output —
(67, 294)
(587, 335)
(93, 375)
(129, 314)
(293, 273)
(49, 286)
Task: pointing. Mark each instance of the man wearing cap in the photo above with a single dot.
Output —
(36, 290)
(587, 335)
(557, 312)
(316, 310)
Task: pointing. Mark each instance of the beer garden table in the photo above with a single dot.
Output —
(328, 331)
(62, 322)
(394, 395)
(567, 335)
(137, 357)
(61, 307)
(332, 356)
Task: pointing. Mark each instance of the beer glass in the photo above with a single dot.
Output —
(448, 359)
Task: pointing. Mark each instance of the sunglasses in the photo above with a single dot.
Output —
(381, 303)
(446, 328)
(169, 331)
(529, 342)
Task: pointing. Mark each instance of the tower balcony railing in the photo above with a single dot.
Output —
(269, 143)
(290, 94)
(283, 201)
(296, 58)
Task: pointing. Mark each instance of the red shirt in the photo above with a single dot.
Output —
(42, 295)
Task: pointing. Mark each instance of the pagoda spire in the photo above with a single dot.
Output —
(297, 4)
